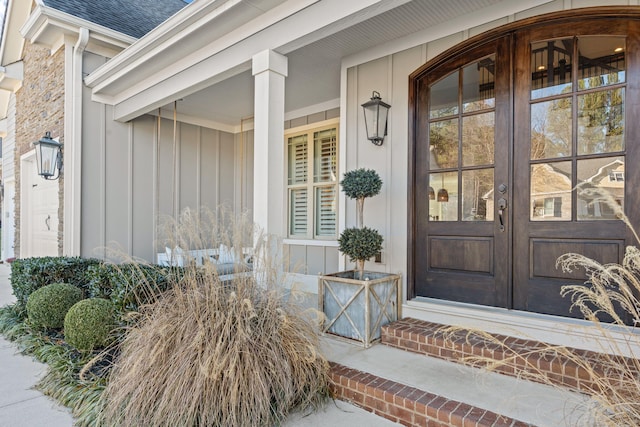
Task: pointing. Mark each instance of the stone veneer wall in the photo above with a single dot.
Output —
(39, 108)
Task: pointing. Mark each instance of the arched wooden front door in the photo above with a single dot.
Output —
(504, 131)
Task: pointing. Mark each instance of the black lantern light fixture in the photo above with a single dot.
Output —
(375, 118)
(48, 157)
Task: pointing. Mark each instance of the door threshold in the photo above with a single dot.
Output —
(556, 330)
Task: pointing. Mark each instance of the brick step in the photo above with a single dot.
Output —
(408, 405)
(572, 368)
(417, 390)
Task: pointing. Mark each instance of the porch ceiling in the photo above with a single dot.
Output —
(315, 59)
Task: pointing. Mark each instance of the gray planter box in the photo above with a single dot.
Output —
(357, 309)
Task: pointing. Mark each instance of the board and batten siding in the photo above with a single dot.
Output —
(386, 212)
(121, 168)
(120, 202)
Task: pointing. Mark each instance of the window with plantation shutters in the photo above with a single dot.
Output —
(312, 161)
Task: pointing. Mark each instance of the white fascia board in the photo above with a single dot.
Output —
(180, 28)
(216, 62)
(45, 20)
(175, 29)
(461, 23)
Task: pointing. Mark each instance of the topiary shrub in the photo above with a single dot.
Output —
(360, 243)
(88, 324)
(47, 306)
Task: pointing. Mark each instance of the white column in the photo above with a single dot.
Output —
(269, 71)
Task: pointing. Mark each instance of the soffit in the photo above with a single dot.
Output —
(12, 41)
(314, 68)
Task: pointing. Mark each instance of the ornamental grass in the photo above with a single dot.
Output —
(218, 350)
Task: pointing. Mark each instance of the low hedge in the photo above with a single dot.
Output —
(30, 274)
(128, 285)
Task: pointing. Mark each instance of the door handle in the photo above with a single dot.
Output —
(502, 205)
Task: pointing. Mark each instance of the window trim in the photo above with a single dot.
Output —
(309, 129)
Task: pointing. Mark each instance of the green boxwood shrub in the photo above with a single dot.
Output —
(29, 274)
(360, 244)
(88, 324)
(128, 285)
(47, 306)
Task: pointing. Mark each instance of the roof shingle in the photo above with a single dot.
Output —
(132, 17)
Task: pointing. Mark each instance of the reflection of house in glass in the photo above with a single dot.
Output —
(605, 178)
(551, 191)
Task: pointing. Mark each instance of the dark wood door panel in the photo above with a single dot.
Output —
(462, 254)
(545, 253)
(460, 287)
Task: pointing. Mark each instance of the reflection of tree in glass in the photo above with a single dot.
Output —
(601, 122)
(443, 141)
(551, 129)
(478, 139)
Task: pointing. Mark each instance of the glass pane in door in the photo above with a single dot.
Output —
(601, 61)
(478, 139)
(551, 191)
(477, 195)
(551, 67)
(551, 129)
(443, 98)
(478, 85)
(444, 207)
(601, 188)
(601, 122)
(443, 144)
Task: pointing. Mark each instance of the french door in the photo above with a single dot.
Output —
(520, 146)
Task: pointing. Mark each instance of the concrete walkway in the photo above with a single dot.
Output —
(22, 406)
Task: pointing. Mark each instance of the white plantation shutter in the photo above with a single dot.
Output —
(325, 203)
(325, 156)
(298, 159)
(298, 212)
(313, 183)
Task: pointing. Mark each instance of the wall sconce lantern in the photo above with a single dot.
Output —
(48, 157)
(375, 118)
